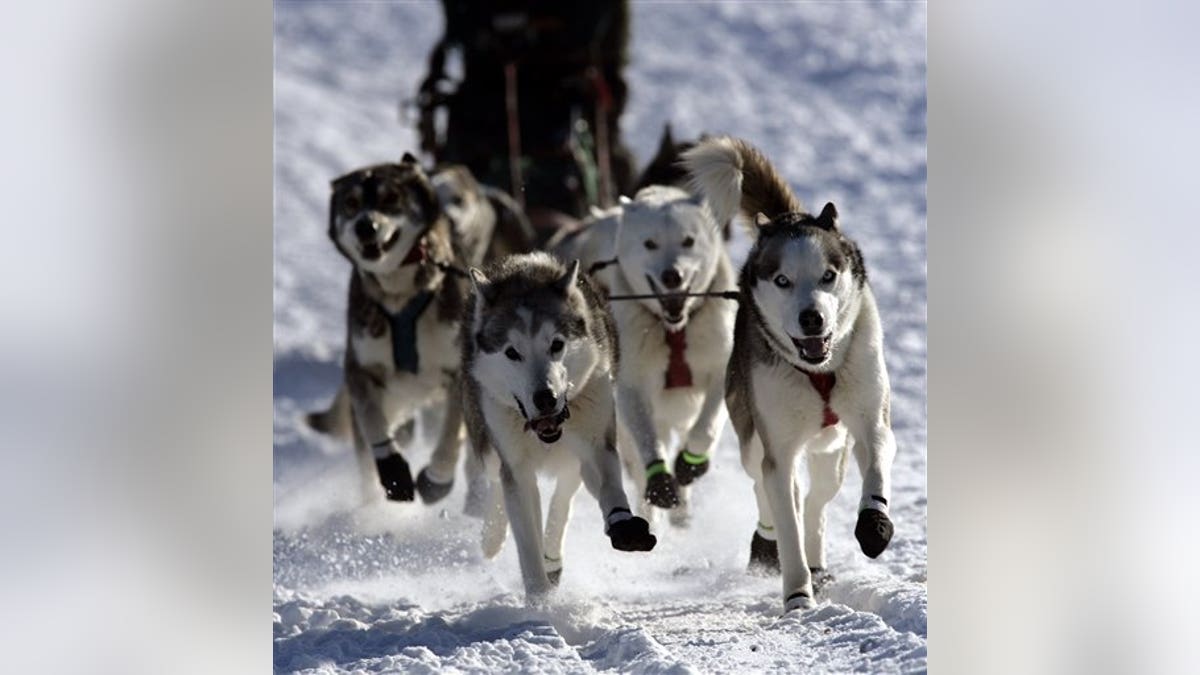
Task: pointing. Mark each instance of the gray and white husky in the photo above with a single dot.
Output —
(674, 348)
(539, 352)
(807, 373)
(404, 235)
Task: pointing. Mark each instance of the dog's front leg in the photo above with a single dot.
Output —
(874, 449)
(600, 468)
(778, 469)
(661, 488)
(436, 479)
(556, 521)
(523, 503)
(375, 440)
(826, 455)
(692, 461)
(865, 409)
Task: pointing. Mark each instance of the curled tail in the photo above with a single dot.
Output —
(336, 420)
(734, 176)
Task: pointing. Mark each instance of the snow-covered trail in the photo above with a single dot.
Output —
(834, 93)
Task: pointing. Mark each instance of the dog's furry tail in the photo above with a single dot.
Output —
(734, 176)
(336, 420)
(514, 233)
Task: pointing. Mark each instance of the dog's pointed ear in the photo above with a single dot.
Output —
(761, 219)
(667, 145)
(828, 217)
(479, 284)
(408, 158)
(569, 279)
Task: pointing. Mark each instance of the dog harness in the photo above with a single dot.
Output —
(679, 374)
(824, 383)
(404, 332)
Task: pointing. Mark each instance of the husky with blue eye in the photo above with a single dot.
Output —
(405, 235)
(807, 374)
(539, 353)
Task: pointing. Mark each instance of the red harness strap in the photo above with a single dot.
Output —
(679, 374)
(824, 383)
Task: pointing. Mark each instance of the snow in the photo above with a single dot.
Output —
(835, 95)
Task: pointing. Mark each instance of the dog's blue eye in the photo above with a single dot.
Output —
(830, 275)
(688, 242)
(782, 281)
(512, 354)
(556, 346)
(651, 245)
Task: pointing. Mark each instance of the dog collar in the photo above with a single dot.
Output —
(678, 374)
(823, 383)
(404, 331)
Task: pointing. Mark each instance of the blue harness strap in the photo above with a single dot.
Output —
(404, 332)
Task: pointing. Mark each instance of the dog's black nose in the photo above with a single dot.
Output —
(544, 401)
(811, 322)
(364, 228)
(672, 279)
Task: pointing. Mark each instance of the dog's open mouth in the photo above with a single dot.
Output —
(672, 308)
(814, 350)
(416, 254)
(374, 250)
(549, 427)
(673, 303)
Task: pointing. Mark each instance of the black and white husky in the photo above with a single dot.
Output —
(807, 373)
(539, 353)
(674, 348)
(404, 310)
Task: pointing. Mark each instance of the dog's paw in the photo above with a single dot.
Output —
(554, 568)
(681, 516)
(689, 467)
(661, 488)
(430, 490)
(396, 478)
(764, 556)
(798, 601)
(873, 532)
(821, 578)
(632, 534)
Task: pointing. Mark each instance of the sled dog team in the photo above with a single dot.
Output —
(591, 356)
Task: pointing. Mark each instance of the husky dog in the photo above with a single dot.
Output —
(403, 315)
(488, 223)
(538, 354)
(675, 347)
(807, 372)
